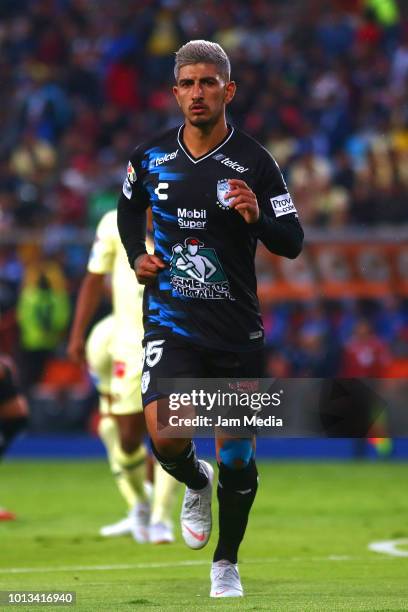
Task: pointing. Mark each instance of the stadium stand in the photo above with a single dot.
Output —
(322, 85)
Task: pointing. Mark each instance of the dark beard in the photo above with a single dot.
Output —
(203, 122)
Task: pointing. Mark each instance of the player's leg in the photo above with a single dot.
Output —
(177, 457)
(109, 433)
(130, 454)
(123, 466)
(13, 415)
(237, 486)
(238, 482)
(13, 420)
(162, 504)
(129, 471)
(173, 358)
(99, 361)
(13, 405)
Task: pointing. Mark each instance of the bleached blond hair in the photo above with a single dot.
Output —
(203, 51)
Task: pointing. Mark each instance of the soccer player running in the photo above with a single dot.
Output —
(13, 413)
(113, 352)
(213, 192)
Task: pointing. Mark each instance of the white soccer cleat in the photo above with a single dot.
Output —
(225, 580)
(121, 528)
(196, 519)
(140, 517)
(161, 533)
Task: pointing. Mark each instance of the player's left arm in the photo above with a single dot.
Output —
(269, 211)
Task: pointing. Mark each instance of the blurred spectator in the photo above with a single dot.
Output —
(43, 312)
(33, 158)
(365, 354)
(309, 179)
(122, 85)
(322, 84)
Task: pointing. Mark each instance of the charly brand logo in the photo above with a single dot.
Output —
(158, 161)
(159, 191)
(223, 189)
(230, 163)
(191, 219)
(196, 272)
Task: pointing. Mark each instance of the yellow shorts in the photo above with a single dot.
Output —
(117, 379)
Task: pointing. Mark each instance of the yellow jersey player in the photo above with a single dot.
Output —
(114, 355)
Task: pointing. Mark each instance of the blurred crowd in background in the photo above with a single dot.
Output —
(322, 84)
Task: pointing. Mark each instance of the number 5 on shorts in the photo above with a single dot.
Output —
(152, 352)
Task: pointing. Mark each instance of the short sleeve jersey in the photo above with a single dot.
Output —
(207, 293)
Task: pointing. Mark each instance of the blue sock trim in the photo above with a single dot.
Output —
(236, 453)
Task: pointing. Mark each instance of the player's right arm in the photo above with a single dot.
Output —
(131, 219)
(100, 263)
(89, 298)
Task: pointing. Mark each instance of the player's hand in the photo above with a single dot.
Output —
(147, 267)
(76, 350)
(244, 200)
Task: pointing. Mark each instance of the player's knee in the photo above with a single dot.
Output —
(129, 442)
(166, 448)
(236, 454)
(106, 427)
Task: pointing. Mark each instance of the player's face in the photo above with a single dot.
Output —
(202, 94)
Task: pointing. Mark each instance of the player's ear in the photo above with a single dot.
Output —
(175, 92)
(230, 90)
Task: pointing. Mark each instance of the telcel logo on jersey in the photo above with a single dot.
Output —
(158, 161)
(230, 163)
(191, 219)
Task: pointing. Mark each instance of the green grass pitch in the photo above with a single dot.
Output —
(306, 546)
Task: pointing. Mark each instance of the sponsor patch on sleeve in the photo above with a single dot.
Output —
(127, 188)
(129, 180)
(283, 205)
(131, 173)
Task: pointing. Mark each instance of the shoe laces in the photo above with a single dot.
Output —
(226, 570)
(193, 504)
(194, 500)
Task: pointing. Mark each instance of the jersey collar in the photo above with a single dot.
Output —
(196, 160)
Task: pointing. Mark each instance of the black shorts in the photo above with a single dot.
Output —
(173, 357)
(8, 386)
